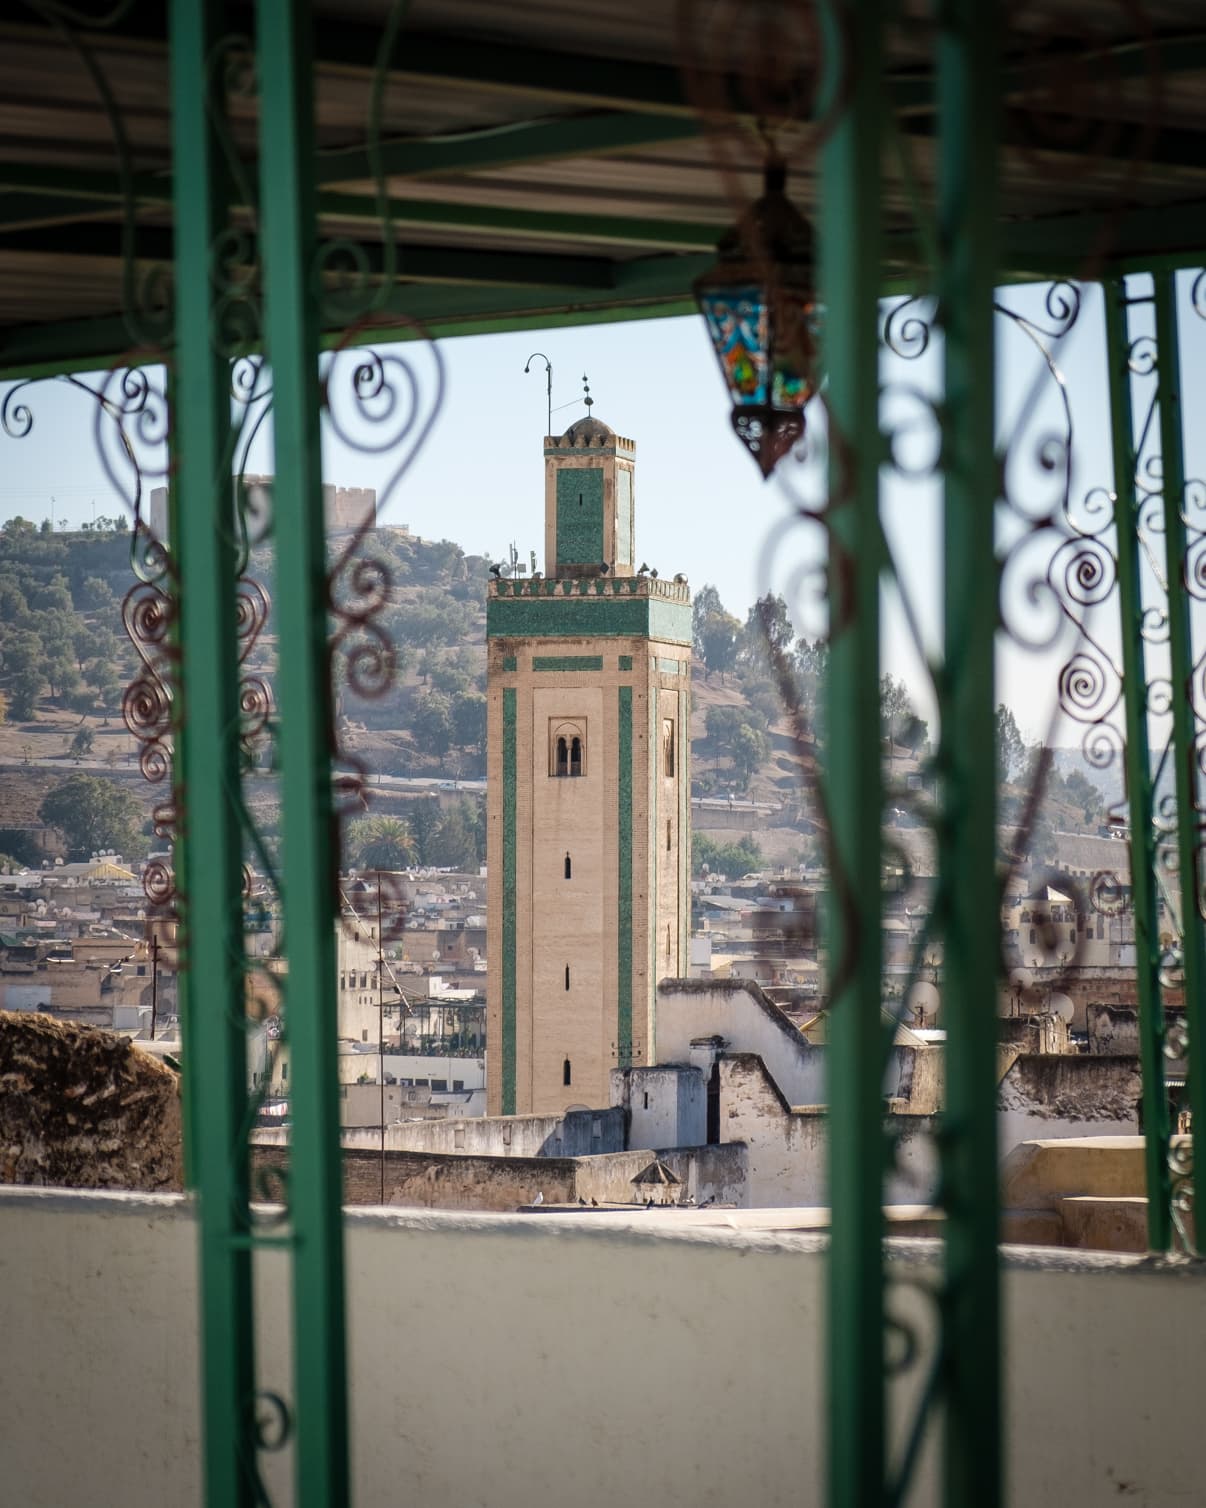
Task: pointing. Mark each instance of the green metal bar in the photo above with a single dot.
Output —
(968, 91)
(624, 881)
(215, 1065)
(1138, 771)
(850, 249)
(286, 80)
(1180, 645)
(188, 1099)
(510, 851)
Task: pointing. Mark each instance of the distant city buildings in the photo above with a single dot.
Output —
(347, 508)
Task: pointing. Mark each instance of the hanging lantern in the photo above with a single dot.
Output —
(759, 302)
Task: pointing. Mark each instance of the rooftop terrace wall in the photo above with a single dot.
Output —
(620, 1359)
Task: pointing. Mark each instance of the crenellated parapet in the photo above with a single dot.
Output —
(591, 586)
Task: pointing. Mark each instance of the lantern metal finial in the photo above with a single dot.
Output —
(588, 400)
(759, 303)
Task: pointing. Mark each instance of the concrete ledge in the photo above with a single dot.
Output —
(581, 1351)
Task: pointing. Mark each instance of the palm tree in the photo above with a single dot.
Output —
(381, 843)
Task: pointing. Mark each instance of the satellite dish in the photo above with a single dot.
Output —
(924, 1000)
(1060, 1005)
(435, 955)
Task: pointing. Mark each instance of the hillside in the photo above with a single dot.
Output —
(65, 661)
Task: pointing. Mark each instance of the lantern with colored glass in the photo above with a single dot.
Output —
(759, 303)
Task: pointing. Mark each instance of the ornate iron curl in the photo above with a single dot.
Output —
(378, 403)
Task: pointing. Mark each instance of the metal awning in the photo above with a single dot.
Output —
(542, 166)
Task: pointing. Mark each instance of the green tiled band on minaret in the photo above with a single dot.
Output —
(580, 539)
(624, 879)
(684, 830)
(508, 897)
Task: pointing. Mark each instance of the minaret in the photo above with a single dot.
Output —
(588, 800)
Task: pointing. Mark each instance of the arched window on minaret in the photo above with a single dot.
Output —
(567, 1076)
(668, 747)
(567, 746)
(569, 867)
(567, 976)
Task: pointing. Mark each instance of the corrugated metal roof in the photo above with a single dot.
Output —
(576, 133)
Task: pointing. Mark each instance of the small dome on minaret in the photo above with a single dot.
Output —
(587, 430)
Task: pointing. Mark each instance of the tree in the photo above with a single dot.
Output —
(25, 661)
(424, 820)
(748, 750)
(433, 723)
(20, 846)
(726, 860)
(1084, 793)
(380, 843)
(469, 719)
(1011, 751)
(812, 669)
(96, 594)
(81, 744)
(768, 632)
(721, 723)
(707, 605)
(454, 845)
(64, 678)
(91, 814)
(902, 728)
(14, 609)
(718, 637)
(101, 672)
(54, 596)
(24, 692)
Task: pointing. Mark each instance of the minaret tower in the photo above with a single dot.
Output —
(588, 801)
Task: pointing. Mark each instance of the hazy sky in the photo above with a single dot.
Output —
(702, 507)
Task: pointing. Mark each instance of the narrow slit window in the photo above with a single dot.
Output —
(668, 747)
(567, 1075)
(667, 940)
(562, 765)
(569, 867)
(575, 758)
(668, 842)
(567, 976)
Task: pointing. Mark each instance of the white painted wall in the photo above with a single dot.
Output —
(578, 1133)
(788, 1152)
(527, 1400)
(748, 1023)
(667, 1107)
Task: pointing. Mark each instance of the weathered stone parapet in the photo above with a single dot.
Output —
(85, 1108)
(589, 586)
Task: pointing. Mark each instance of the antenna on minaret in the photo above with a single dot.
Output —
(588, 400)
(548, 382)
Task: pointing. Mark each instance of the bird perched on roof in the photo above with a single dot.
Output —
(537, 575)
(644, 569)
(539, 1199)
(496, 570)
(680, 579)
(653, 572)
(594, 1201)
(581, 1200)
